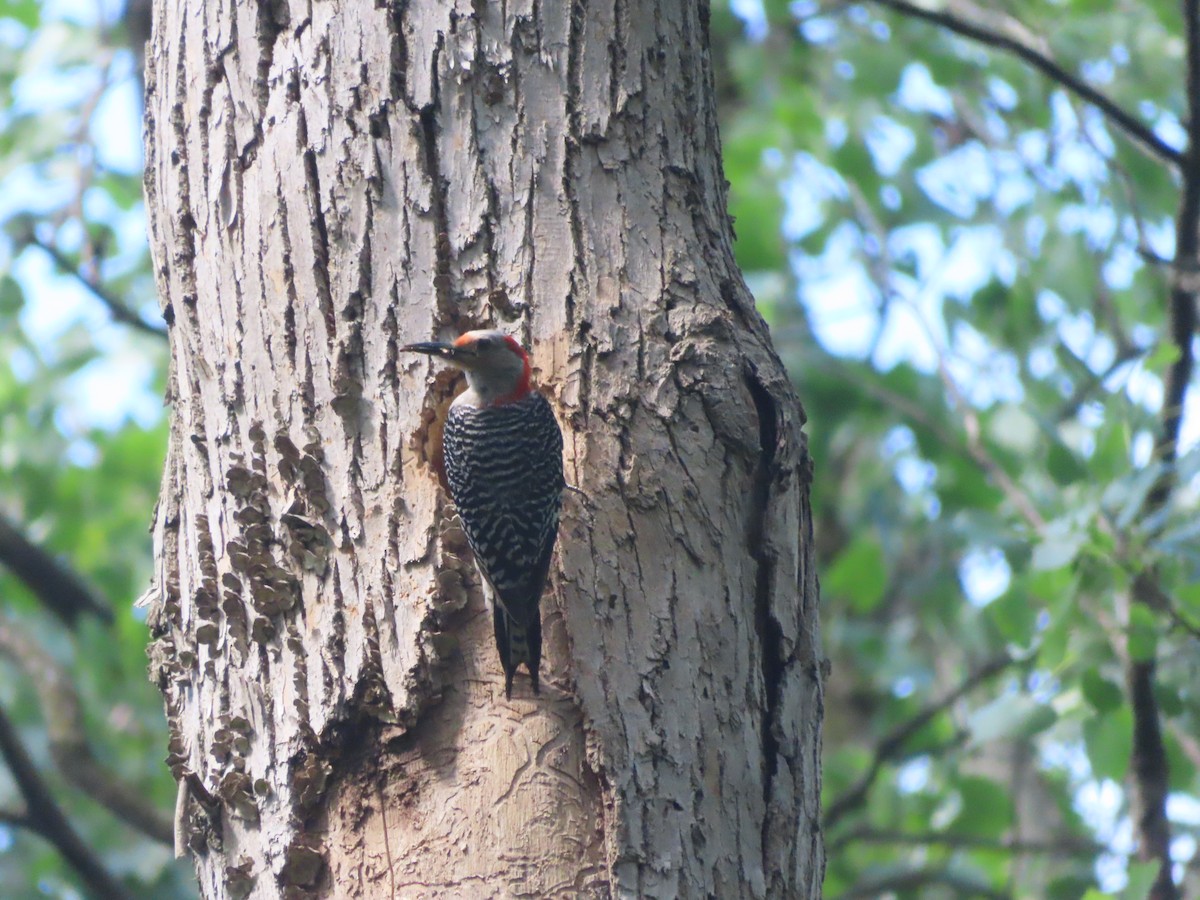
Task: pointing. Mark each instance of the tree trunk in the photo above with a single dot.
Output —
(327, 182)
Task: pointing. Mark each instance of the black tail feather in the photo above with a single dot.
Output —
(518, 644)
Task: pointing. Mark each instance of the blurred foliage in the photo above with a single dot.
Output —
(962, 266)
(82, 433)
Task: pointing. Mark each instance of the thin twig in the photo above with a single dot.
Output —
(892, 743)
(46, 818)
(117, 309)
(1140, 133)
(1085, 386)
(87, 109)
(882, 275)
(969, 442)
(974, 438)
(879, 263)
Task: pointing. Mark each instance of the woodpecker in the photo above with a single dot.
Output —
(503, 456)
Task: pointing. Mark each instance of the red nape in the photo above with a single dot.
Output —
(522, 387)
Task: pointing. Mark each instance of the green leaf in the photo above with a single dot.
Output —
(1014, 617)
(1188, 597)
(1108, 739)
(1162, 358)
(859, 574)
(961, 484)
(1101, 693)
(25, 12)
(1095, 574)
(1142, 876)
(1058, 549)
(987, 809)
(1048, 585)
(125, 190)
(1128, 495)
(1063, 465)
(12, 298)
(1170, 704)
(1054, 641)
(1180, 767)
(1111, 456)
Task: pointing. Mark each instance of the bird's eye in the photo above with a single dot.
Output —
(484, 344)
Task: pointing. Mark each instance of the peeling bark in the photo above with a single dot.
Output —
(329, 181)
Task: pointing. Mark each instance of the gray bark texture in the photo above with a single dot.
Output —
(329, 181)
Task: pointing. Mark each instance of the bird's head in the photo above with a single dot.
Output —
(496, 365)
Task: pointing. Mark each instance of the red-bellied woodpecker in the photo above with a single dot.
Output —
(503, 454)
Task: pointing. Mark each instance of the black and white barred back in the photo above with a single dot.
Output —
(504, 468)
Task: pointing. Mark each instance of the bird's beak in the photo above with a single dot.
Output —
(433, 348)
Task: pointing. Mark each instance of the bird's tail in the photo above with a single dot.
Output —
(518, 644)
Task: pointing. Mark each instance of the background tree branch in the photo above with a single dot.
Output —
(69, 746)
(46, 817)
(55, 584)
(115, 306)
(893, 742)
(1149, 765)
(1139, 133)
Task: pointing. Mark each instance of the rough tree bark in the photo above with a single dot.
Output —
(328, 181)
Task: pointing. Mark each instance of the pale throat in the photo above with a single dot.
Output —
(485, 387)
